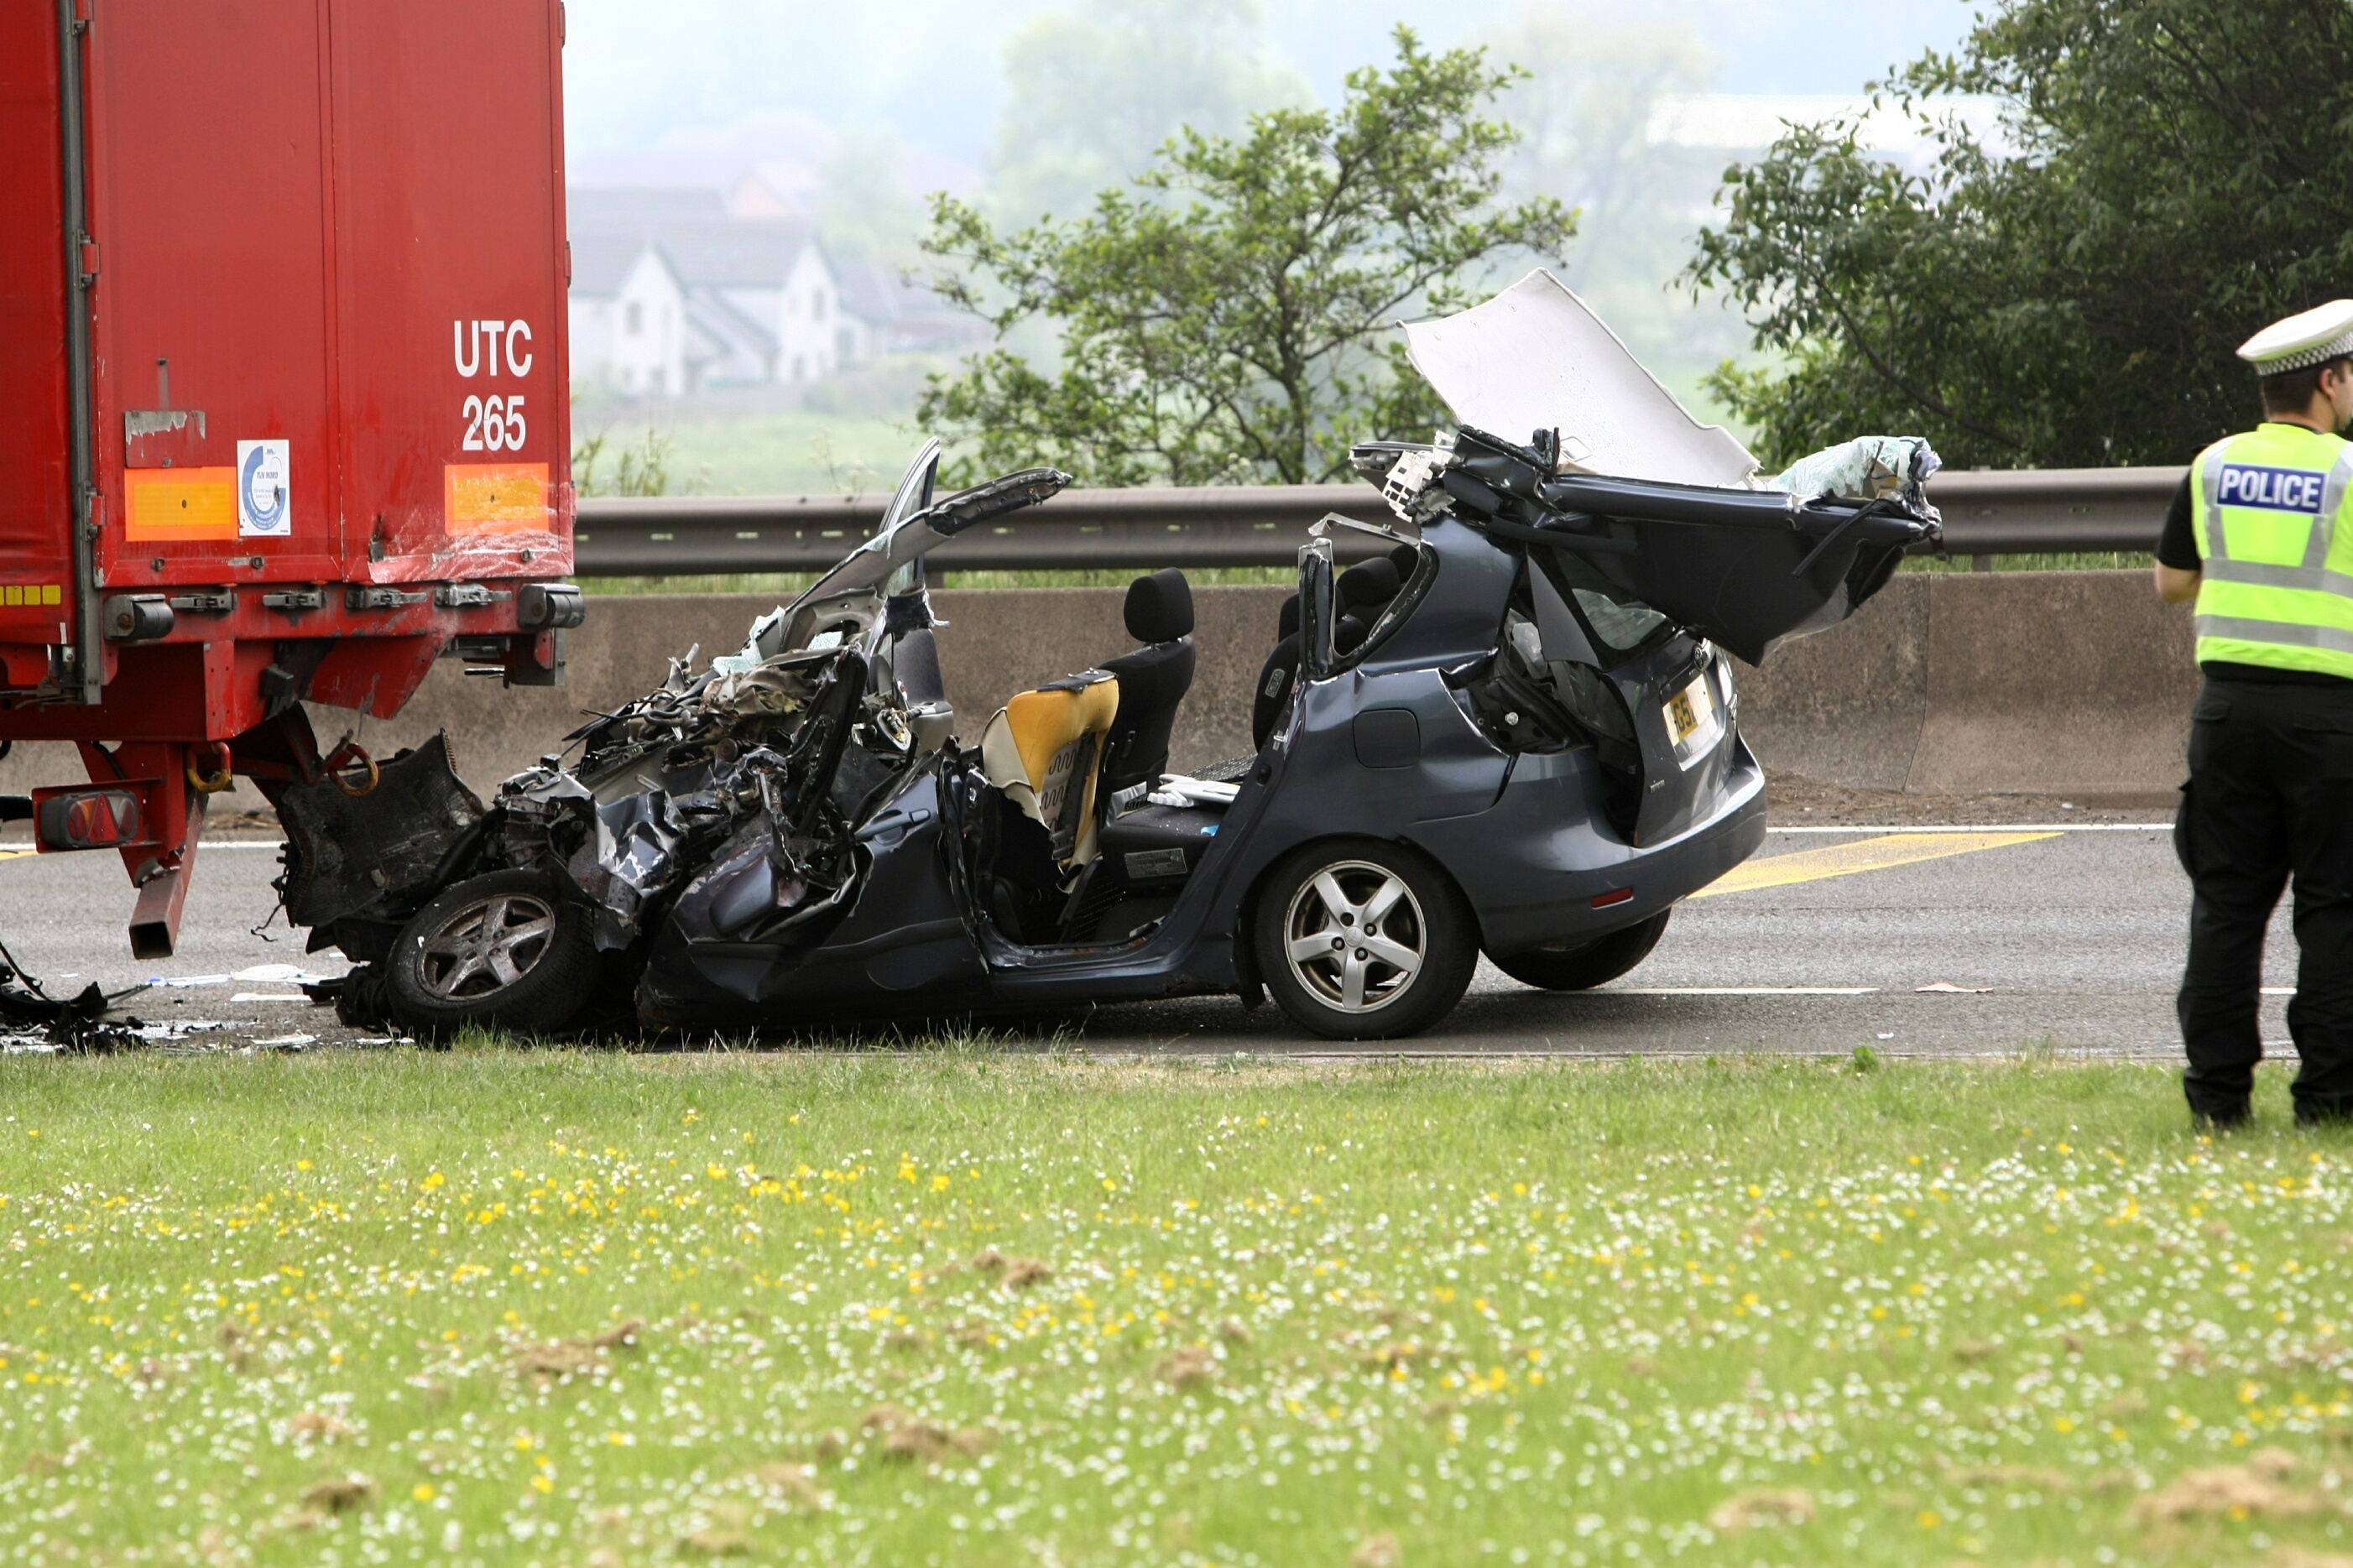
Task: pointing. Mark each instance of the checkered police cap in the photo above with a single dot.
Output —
(2315, 337)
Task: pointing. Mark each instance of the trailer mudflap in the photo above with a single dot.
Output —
(371, 854)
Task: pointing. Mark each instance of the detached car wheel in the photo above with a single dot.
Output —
(1363, 941)
(1583, 968)
(504, 951)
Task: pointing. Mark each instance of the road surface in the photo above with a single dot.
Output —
(2066, 939)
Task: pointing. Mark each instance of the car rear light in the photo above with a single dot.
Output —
(106, 819)
(1615, 896)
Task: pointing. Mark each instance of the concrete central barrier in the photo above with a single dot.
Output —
(2028, 683)
(1986, 683)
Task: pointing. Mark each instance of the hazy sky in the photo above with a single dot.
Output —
(754, 75)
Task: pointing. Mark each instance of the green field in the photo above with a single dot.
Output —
(788, 452)
(953, 1306)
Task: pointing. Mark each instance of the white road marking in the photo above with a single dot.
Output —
(1737, 990)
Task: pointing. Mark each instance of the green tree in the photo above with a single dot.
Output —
(1227, 319)
(2169, 175)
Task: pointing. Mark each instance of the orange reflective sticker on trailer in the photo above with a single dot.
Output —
(180, 503)
(495, 498)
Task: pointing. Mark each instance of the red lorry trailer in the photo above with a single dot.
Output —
(282, 390)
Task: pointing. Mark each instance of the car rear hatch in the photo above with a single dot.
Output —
(1642, 507)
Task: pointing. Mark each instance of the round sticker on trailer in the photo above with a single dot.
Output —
(264, 506)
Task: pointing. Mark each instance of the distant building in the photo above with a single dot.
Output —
(675, 290)
(775, 190)
(629, 324)
(883, 313)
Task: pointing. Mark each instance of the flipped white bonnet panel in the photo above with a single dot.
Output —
(1535, 357)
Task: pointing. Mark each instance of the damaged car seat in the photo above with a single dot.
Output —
(1153, 679)
(1044, 749)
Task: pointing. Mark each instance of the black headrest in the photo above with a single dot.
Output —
(1404, 557)
(1160, 608)
(1373, 582)
(1286, 623)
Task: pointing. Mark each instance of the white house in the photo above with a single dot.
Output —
(770, 279)
(675, 290)
(630, 327)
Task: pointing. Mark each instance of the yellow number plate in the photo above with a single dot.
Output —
(1681, 717)
(1690, 712)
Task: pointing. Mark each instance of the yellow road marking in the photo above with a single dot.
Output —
(1865, 855)
(14, 854)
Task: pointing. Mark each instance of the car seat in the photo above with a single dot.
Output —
(1153, 679)
(914, 656)
(1043, 752)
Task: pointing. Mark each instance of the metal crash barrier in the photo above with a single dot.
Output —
(1987, 512)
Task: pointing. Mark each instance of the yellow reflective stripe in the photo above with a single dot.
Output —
(2262, 574)
(2211, 545)
(2219, 597)
(2332, 500)
(2275, 634)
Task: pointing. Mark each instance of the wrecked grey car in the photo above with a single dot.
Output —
(1509, 727)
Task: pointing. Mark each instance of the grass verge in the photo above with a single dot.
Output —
(509, 1308)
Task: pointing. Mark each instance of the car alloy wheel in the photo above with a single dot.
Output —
(1355, 937)
(486, 947)
(503, 950)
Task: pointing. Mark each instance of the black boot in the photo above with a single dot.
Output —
(2217, 1117)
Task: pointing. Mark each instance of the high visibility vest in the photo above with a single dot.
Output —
(2273, 510)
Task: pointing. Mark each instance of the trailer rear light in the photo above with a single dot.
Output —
(1615, 896)
(107, 818)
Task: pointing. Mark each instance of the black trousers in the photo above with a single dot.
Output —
(2270, 798)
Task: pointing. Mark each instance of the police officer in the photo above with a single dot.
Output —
(2261, 536)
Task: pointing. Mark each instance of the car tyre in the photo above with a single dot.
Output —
(1405, 976)
(504, 951)
(1582, 968)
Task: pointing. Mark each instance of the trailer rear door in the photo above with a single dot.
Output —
(328, 321)
(210, 200)
(454, 377)
(36, 598)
